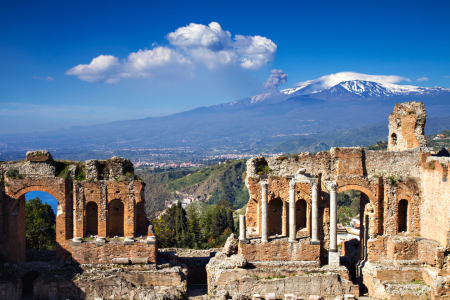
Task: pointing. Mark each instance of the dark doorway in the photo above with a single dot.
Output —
(28, 284)
(403, 215)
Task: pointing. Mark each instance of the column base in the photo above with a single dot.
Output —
(244, 241)
(264, 241)
(315, 242)
(293, 241)
(334, 259)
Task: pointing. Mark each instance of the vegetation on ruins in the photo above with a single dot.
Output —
(13, 173)
(187, 229)
(40, 225)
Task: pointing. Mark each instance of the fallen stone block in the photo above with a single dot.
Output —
(270, 296)
(139, 260)
(290, 297)
(256, 297)
(121, 260)
(315, 297)
(349, 297)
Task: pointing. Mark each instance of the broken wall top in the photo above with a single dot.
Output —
(407, 127)
(41, 164)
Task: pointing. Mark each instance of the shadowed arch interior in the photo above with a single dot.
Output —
(301, 215)
(28, 282)
(141, 219)
(275, 216)
(116, 218)
(92, 218)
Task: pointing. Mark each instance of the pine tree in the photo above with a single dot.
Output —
(40, 225)
(230, 220)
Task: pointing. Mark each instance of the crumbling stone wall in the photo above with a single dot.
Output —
(406, 127)
(74, 185)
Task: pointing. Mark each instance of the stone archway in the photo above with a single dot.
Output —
(91, 218)
(116, 218)
(16, 217)
(275, 216)
(28, 284)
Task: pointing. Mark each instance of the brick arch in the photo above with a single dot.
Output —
(59, 197)
(356, 187)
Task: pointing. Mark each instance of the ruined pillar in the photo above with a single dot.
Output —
(292, 223)
(264, 216)
(333, 217)
(315, 215)
(333, 255)
(242, 229)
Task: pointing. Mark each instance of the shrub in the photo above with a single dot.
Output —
(13, 173)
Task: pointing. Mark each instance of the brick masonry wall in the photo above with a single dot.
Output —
(280, 249)
(435, 203)
(89, 253)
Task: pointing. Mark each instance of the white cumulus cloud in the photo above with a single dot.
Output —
(195, 43)
(215, 47)
(143, 63)
(328, 81)
(422, 79)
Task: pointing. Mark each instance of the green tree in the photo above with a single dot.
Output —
(40, 225)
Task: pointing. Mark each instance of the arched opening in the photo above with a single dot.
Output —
(402, 216)
(116, 218)
(39, 210)
(28, 284)
(354, 211)
(91, 219)
(275, 217)
(394, 139)
(141, 219)
(301, 214)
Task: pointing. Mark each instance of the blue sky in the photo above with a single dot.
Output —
(45, 198)
(145, 68)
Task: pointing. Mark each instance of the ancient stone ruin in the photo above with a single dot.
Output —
(289, 233)
(288, 243)
(104, 245)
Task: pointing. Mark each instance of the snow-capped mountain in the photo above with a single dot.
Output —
(355, 89)
(325, 88)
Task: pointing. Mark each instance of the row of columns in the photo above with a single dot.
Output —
(333, 254)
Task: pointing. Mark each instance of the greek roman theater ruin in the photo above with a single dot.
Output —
(288, 243)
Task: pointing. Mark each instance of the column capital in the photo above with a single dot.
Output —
(332, 186)
(314, 185)
(264, 184)
(292, 184)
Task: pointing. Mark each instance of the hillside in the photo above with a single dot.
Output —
(210, 185)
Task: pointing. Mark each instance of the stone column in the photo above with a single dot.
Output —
(292, 221)
(242, 229)
(333, 255)
(333, 217)
(314, 215)
(264, 216)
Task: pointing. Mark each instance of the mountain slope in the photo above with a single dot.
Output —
(251, 124)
